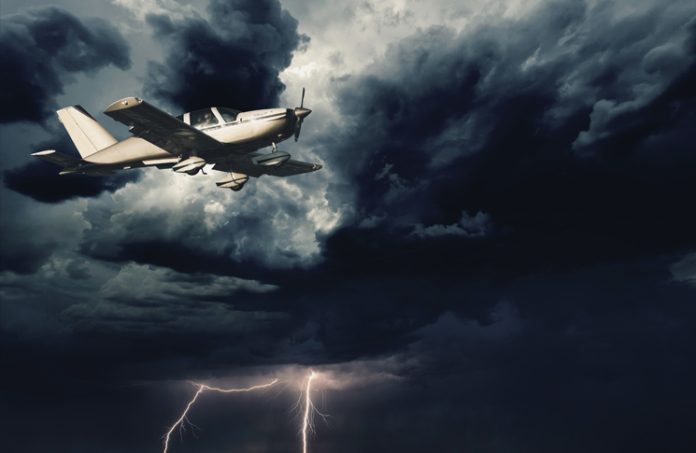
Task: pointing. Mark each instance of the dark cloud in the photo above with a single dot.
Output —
(45, 47)
(463, 179)
(23, 255)
(528, 376)
(519, 259)
(482, 129)
(485, 128)
(233, 59)
(41, 181)
(495, 126)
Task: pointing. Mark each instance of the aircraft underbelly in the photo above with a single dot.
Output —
(132, 149)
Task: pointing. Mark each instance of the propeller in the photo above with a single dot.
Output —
(300, 114)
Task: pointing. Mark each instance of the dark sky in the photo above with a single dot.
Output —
(498, 256)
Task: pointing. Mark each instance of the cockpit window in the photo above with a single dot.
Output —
(203, 118)
(229, 115)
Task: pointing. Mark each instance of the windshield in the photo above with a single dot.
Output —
(229, 115)
(203, 118)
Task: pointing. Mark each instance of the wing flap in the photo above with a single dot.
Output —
(159, 128)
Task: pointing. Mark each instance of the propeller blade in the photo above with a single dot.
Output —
(298, 129)
(300, 113)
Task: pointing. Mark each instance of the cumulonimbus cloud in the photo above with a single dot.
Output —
(232, 59)
(44, 47)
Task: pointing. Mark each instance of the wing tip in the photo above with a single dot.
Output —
(124, 103)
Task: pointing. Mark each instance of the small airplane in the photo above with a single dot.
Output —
(226, 138)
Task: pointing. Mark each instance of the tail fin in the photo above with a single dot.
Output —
(87, 134)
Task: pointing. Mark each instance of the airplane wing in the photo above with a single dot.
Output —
(243, 164)
(158, 127)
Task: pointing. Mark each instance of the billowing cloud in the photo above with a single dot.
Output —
(156, 299)
(470, 226)
(45, 47)
(489, 119)
(231, 59)
(501, 232)
(189, 224)
(41, 181)
(684, 270)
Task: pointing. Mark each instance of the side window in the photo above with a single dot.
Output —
(203, 118)
(229, 115)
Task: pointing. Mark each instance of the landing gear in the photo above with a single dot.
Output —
(273, 159)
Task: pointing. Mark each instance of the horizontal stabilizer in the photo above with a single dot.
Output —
(53, 156)
(91, 171)
(71, 164)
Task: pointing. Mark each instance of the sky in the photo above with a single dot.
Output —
(499, 254)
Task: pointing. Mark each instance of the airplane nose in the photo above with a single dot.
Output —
(302, 112)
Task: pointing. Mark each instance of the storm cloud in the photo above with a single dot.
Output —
(45, 47)
(513, 128)
(497, 256)
(231, 59)
(41, 181)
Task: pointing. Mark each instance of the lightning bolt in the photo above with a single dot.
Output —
(308, 408)
(306, 420)
(309, 411)
(182, 420)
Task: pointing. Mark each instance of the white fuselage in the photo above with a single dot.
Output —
(267, 125)
(249, 131)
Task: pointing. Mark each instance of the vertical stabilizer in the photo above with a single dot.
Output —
(88, 135)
